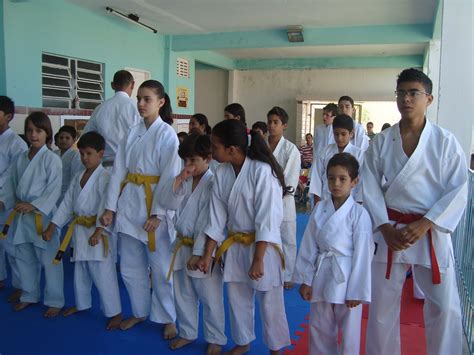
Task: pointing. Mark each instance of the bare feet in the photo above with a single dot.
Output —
(15, 296)
(52, 312)
(2, 285)
(239, 349)
(131, 322)
(21, 306)
(288, 285)
(70, 311)
(114, 322)
(170, 331)
(213, 349)
(179, 343)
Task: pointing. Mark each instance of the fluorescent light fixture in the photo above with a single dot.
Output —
(131, 18)
(295, 33)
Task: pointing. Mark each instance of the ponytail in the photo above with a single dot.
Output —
(166, 112)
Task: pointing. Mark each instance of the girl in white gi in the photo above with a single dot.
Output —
(11, 145)
(333, 264)
(246, 204)
(69, 156)
(93, 255)
(198, 123)
(343, 130)
(289, 158)
(147, 157)
(33, 190)
(190, 193)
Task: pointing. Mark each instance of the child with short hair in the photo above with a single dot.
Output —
(34, 188)
(261, 128)
(93, 255)
(359, 139)
(189, 193)
(288, 156)
(69, 156)
(11, 145)
(333, 263)
(343, 130)
(323, 133)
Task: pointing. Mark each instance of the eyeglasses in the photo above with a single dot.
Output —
(412, 94)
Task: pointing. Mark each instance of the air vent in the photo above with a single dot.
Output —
(182, 68)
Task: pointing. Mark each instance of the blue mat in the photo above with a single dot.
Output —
(27, 332)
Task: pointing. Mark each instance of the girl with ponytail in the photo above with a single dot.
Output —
(147, 157)
(246, 211)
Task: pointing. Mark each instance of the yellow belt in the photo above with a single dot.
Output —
(11, 217)
(186, 241)
(246, 239)
(86, 221)
(146, 181)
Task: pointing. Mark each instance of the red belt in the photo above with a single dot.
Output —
(408, 218)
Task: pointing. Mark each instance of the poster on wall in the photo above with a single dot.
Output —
(182, 96)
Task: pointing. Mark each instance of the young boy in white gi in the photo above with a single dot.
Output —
(11, 145)
(93, 255)
(414, 212)
(189, 193)
(323, 133)
(333, 264)
(289, 158)
(359, 139)
(343, 131)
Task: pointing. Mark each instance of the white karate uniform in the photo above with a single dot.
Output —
(91, 265)
(433, 183)
(251, 201)
(319, 179)
(323, 136)
(11, 145)
(334, 259)
(152, 151)
(38, 182)
(360, 138)
(112, 119)
(72, 165)
(289, 158)
(192, 287)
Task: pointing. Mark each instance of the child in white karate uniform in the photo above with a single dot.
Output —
(146, 158)
(33, 191)
(93, 254)
(11, 145)
(189, 193)
(246, 204)
(333, 263)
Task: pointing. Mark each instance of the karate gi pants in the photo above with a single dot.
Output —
(442, 311)
(326, 319)
(30, 260)
(288, 239)
(104, 276)
(135, 261)
(8, 255)
(188, 292)
(241, 298)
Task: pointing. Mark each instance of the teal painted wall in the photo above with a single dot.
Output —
(3, 79)
(62, 28)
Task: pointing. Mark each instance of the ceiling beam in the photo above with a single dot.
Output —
(437, 21)
(387, 34)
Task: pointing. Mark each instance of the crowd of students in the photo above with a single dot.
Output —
(184, 216)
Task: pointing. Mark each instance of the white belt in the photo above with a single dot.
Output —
(335, 266)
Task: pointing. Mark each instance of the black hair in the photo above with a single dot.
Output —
(122, 80)
(261, 126)
(166, 113)
(385, 126)
(56, 136)
(343, 121)
(415, 75)
(346, 98)
(42, 121)
(68, 129)
(7, 105)
(236, 109)
(195, 145)
(92, 140)
(234, 133)
(281, 113)
(203, 121)
(331, 107)
(347, 161)
(182, 134)
(308, 134)
(370, 122)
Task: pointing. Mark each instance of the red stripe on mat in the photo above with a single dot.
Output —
(412, 330)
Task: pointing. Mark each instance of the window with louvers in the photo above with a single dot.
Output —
(71, 83)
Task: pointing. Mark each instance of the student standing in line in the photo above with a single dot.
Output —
(360, 139)
(323, 133)
(199, 124)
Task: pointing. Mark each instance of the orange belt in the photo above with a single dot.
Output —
(408, 218)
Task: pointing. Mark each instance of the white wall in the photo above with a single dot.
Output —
(211, 93)
(259, 90)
